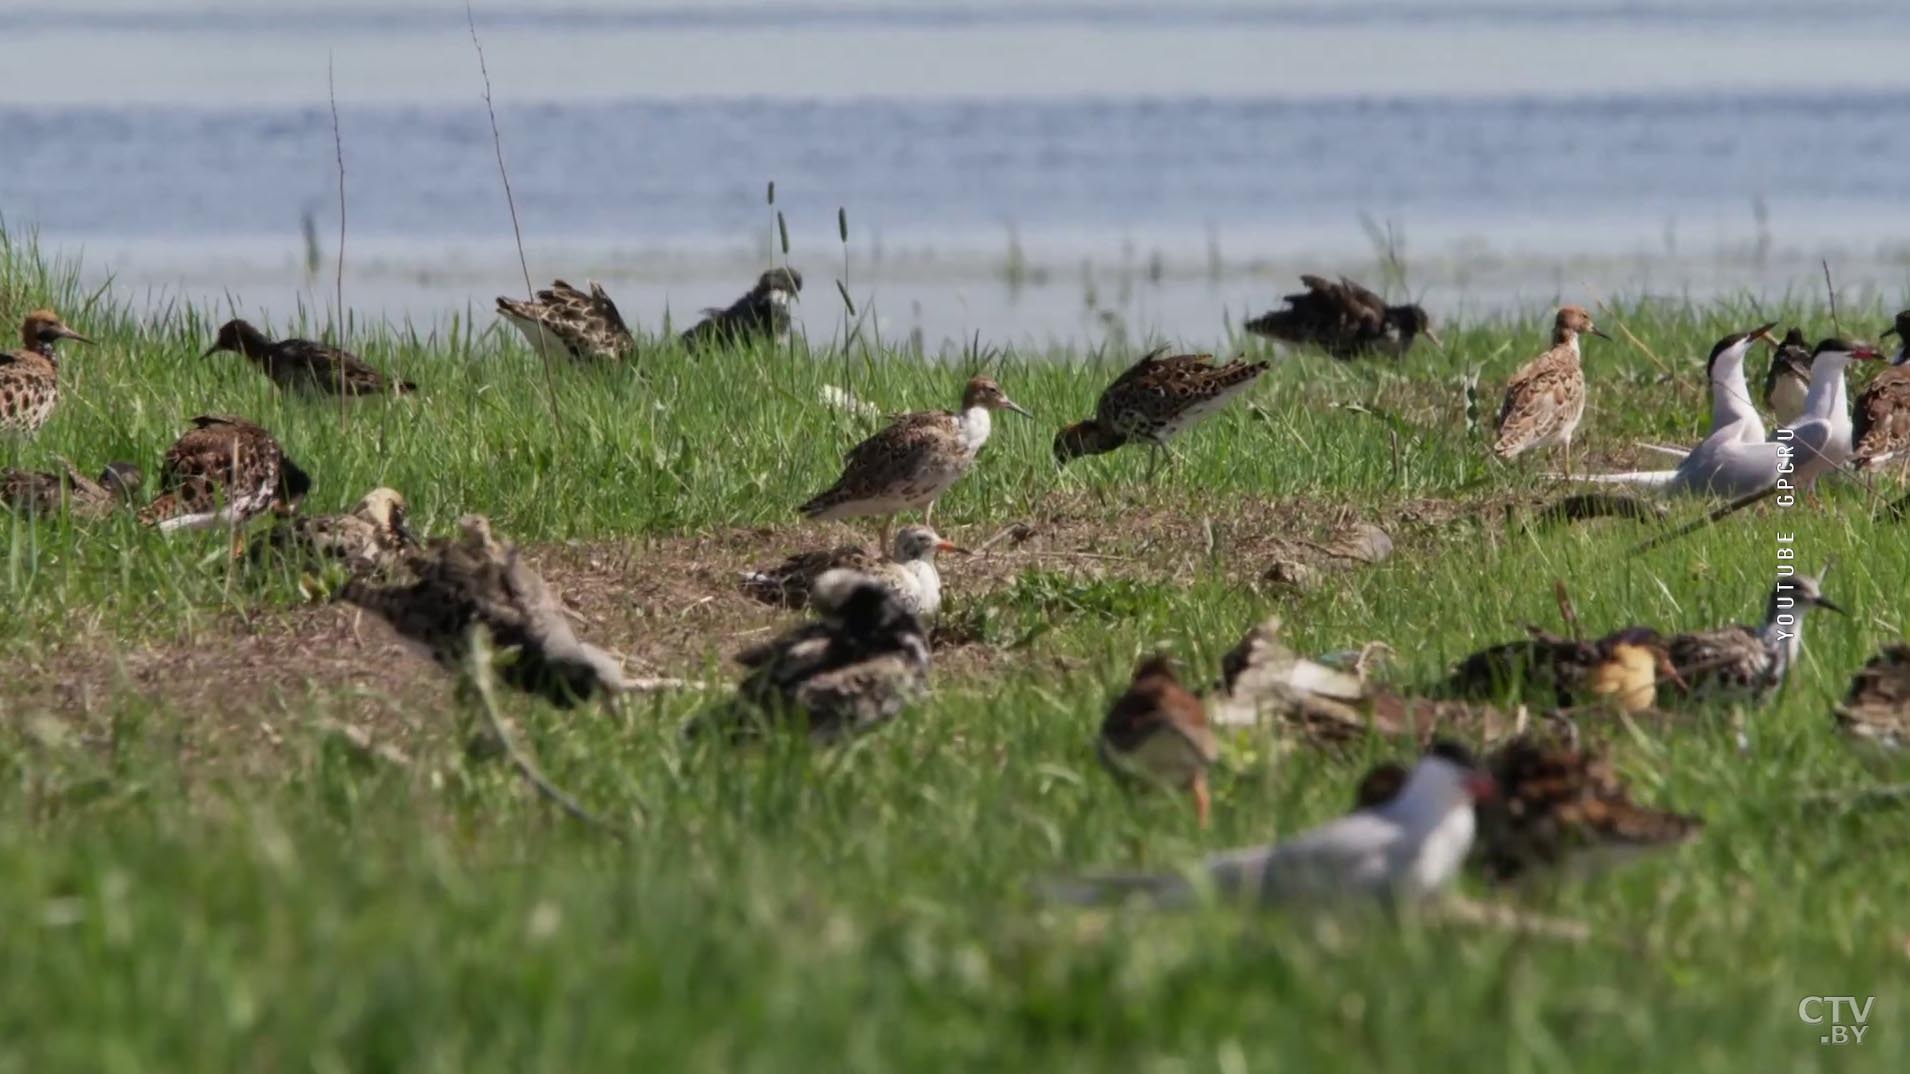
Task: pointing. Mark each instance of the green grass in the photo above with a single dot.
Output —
(179, 901)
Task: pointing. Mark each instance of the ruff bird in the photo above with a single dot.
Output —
(563, 322)
(909, 572)
(1156, 734)
(30, 376)
(1789, 379)
(371, 538)
(1545, 399)
(300, 365)
(42, 493)
(1748, 663)
(1624, 668)
(476, 581)
(1154, 401)
(1557, 808)
(762, 314)
(223, 471)
(1880, 425)
(913, 460)
(854, 668)
(1344, 319)
(1876, 710)
(1405, 850)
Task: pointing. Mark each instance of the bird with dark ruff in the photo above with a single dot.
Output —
(851, 670)
(41, 493)
(1880, 420)
(1558, 807)
(30, 376)
(1156, 733)
(224, 471)
(300, 365)
(1625, 669)
(563, 321)
(1153, 401)
(474, 580)
(760, 315)
(1344, 319)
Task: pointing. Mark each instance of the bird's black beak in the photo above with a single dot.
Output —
(1827, 603)
(1600, 334)
(1888, 332)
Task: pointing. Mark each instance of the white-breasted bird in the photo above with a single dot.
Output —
(1408, 849)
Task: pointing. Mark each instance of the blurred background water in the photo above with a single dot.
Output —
(1034, 171)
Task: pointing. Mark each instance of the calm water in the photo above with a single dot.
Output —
(1032, 171)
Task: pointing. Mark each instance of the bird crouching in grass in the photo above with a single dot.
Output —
(224, 471)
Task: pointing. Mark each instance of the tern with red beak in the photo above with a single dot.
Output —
(1408, 849)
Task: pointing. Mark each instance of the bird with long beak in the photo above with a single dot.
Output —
(1153, 401)
(1880, 425)
(1749, 663)
(1820, 440)
(1156, 733)
(1406, 850)
(1735, 459)
(1545, 400)
(302, 365)
(30, 376)
(914, 460)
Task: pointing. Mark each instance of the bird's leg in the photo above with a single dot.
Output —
(1153, 461)
(1203, 801)
(882, 534)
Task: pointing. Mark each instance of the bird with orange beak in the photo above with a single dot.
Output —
(30, 376)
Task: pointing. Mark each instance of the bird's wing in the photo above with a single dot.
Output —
(1881, 419)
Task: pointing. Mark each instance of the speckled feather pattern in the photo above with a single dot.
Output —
(586, 326)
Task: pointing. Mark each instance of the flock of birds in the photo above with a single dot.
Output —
(1538, 799)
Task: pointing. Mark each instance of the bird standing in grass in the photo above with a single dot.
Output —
(475, 581)
(1344, 319)
(1545, 399)
(30, 376)
(1407, 849)
(1880, 425)
(223, 471)
(913, 460)
(43, 493)
(1156, 732)
(761, 314)
(1153, 401)
(1789, 378)
(301, 365)
(1746, 663)
(565, 322)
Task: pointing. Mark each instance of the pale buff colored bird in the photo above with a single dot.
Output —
(1546, 398)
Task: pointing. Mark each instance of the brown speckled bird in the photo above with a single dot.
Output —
(1880, 421)
(856, 667)
(1545, 399)
(475, 580)
(1747, 663)
(1789, 379)
(1154, 401)
(762, 314)
(1557, 807)
(914, 460)
(1876, 710)
(301, 365)
(1156, 732)
(1625, 668)
(565, 322)
(223, 471)
(372, 537)
(42, 493)
(1344, 319)
(30, 376)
